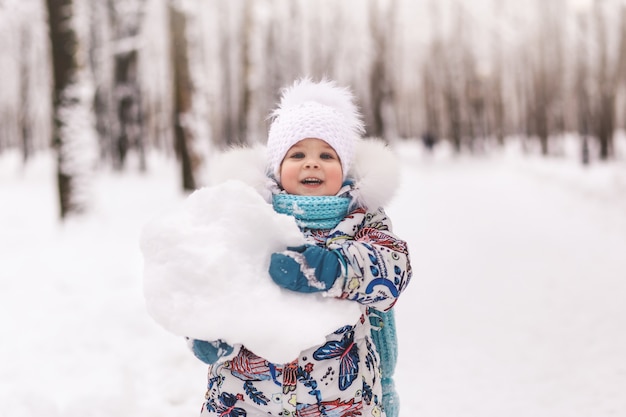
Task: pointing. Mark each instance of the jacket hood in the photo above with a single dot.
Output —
(375, 171)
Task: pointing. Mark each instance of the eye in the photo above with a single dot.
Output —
(327, 155)
(297, 155)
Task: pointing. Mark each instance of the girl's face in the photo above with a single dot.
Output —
(311, 167)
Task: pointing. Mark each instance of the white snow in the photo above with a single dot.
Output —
(205, 275)
(516, 306)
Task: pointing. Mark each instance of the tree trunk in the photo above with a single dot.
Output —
(432, 128)
(381, 26)
(606, 124)
(582, 94)
(454, 117)
(246, 93)
(64, 43)
(126, 89)
(26, 142)
(128, 105)
(607, 86)
(182, 98)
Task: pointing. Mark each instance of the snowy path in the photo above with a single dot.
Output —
(516, 308)
(518, 304)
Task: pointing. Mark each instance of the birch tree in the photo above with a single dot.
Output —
(73, 134)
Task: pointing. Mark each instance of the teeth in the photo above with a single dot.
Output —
(311, 181)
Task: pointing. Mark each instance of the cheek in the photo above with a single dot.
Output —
(335, 177)
(338, 172)
(286, 170)
(288, 175)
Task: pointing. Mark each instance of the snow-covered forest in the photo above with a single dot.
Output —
(126, 77)
(508, 119)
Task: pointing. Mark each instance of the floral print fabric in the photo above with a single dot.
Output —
(341, 377)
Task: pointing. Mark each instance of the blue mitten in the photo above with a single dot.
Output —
(306, 268)
(209, 352)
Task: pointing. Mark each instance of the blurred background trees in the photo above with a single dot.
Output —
(100, 81)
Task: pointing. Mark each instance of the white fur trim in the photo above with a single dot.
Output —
(245, 164)
(375, 171)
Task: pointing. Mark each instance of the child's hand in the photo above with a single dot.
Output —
(306, 268)
(209, 352)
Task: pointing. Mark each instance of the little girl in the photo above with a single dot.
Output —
(333, 182)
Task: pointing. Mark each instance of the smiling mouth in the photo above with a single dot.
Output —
(311, 181)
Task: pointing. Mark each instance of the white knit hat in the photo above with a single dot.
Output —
(314, 110)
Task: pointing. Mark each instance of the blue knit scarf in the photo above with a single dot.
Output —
(312, 212)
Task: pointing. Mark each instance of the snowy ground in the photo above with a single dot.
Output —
(516, 308)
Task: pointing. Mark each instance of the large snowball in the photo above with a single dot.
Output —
(205, 276)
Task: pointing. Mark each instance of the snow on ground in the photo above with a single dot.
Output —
(516, 307)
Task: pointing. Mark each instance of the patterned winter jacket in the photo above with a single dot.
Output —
(342, 377)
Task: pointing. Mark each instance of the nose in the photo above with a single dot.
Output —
(312, 163)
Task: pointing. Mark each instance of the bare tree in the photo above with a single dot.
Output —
(73, 130)
(246, 93)
(234, 53)
(430, 89)
(621, 64)
(126, 18)
(609, 71)
(241, 52)
(476, 102)
(155, 75)
(582, 93)
(432, 83)
(382, 26)
(497, 105)
(102, 68)
(183, 96)
(454, 81)
(495, 92)
(604, 117)
(545, 87)
(620, 69)
(540, 105)
(25, 86)
(25, 119)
